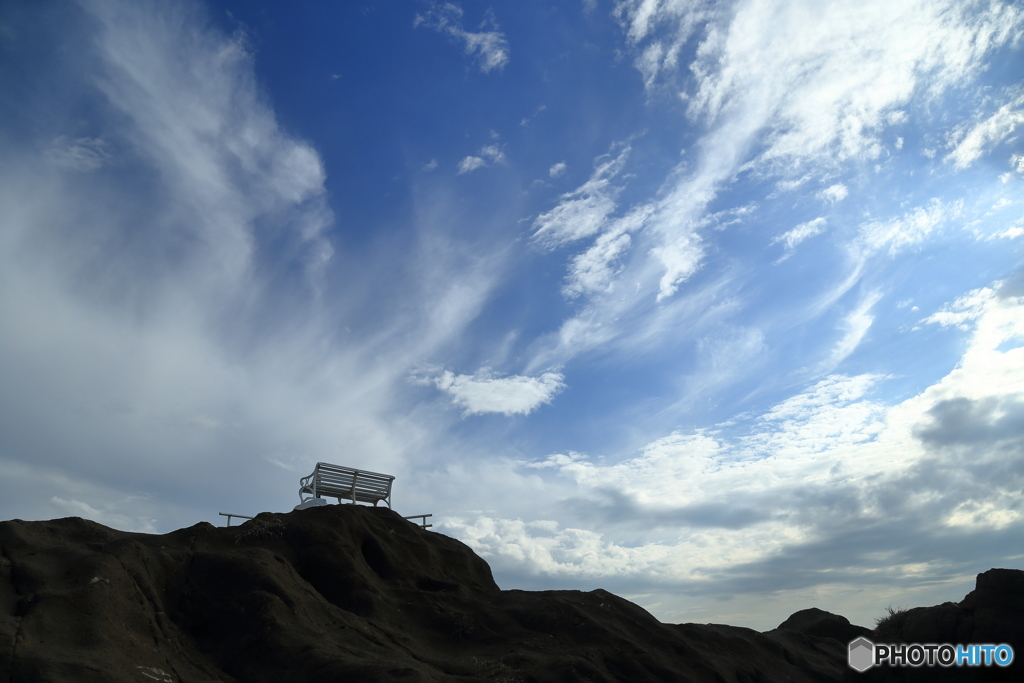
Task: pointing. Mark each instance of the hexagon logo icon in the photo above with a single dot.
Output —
(862, 654)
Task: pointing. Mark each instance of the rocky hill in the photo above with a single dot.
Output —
(354, 593)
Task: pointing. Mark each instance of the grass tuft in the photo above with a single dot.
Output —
(889, 628)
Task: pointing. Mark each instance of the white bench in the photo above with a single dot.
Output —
(335, 481)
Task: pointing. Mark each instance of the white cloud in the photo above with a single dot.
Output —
(801, 232)
(582, 212)
(809, 84)
(557, 170)
(806, 84)
(830, 92)
(490, 46)
(494, 153)
(593, 270)
(484, 392)
(856, 324)
(965, 311)
(541, 547)
(430, 165)
(912, 228)
(834, 193)
(170, 316)
(797, 489)
(971, 142)
(470, 164)
(488, 153)
(822, 80)
(707, 498)
(639, 18)
(176, 112)
(681, 257)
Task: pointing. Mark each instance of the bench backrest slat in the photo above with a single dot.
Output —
(347, 483)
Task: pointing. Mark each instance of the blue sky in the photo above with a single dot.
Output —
(716, 305)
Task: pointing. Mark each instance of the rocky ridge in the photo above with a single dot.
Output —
(356, 593)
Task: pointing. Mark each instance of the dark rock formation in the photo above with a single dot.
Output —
(817, 622)
(353, 593)
(337, 593)
(992, 613)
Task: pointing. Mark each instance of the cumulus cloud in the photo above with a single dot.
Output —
(710, 496)
(470, 164)
(790, 498)
(494, 153)
(542, 547)
(485, 392)
(488, 154)
(557, 170)
(489, 44)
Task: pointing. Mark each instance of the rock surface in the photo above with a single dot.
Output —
(356, 593)
(992, 613)
(817, 622)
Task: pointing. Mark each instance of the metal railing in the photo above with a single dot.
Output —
(229, 515)
(423, 517)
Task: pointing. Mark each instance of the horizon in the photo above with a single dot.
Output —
(718, 306)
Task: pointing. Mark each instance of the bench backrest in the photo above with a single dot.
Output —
(336, 481)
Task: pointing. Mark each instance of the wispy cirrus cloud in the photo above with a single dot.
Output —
(910, 229)
(785, 90)
(855, 325)
(80, 154)
(971, 141)
(178, 306)
(582, 212)
(805, 230)
(489, 44)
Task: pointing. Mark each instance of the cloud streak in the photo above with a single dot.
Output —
(784, 90)
(489, 46)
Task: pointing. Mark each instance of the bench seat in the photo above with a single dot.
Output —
(350, 484)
